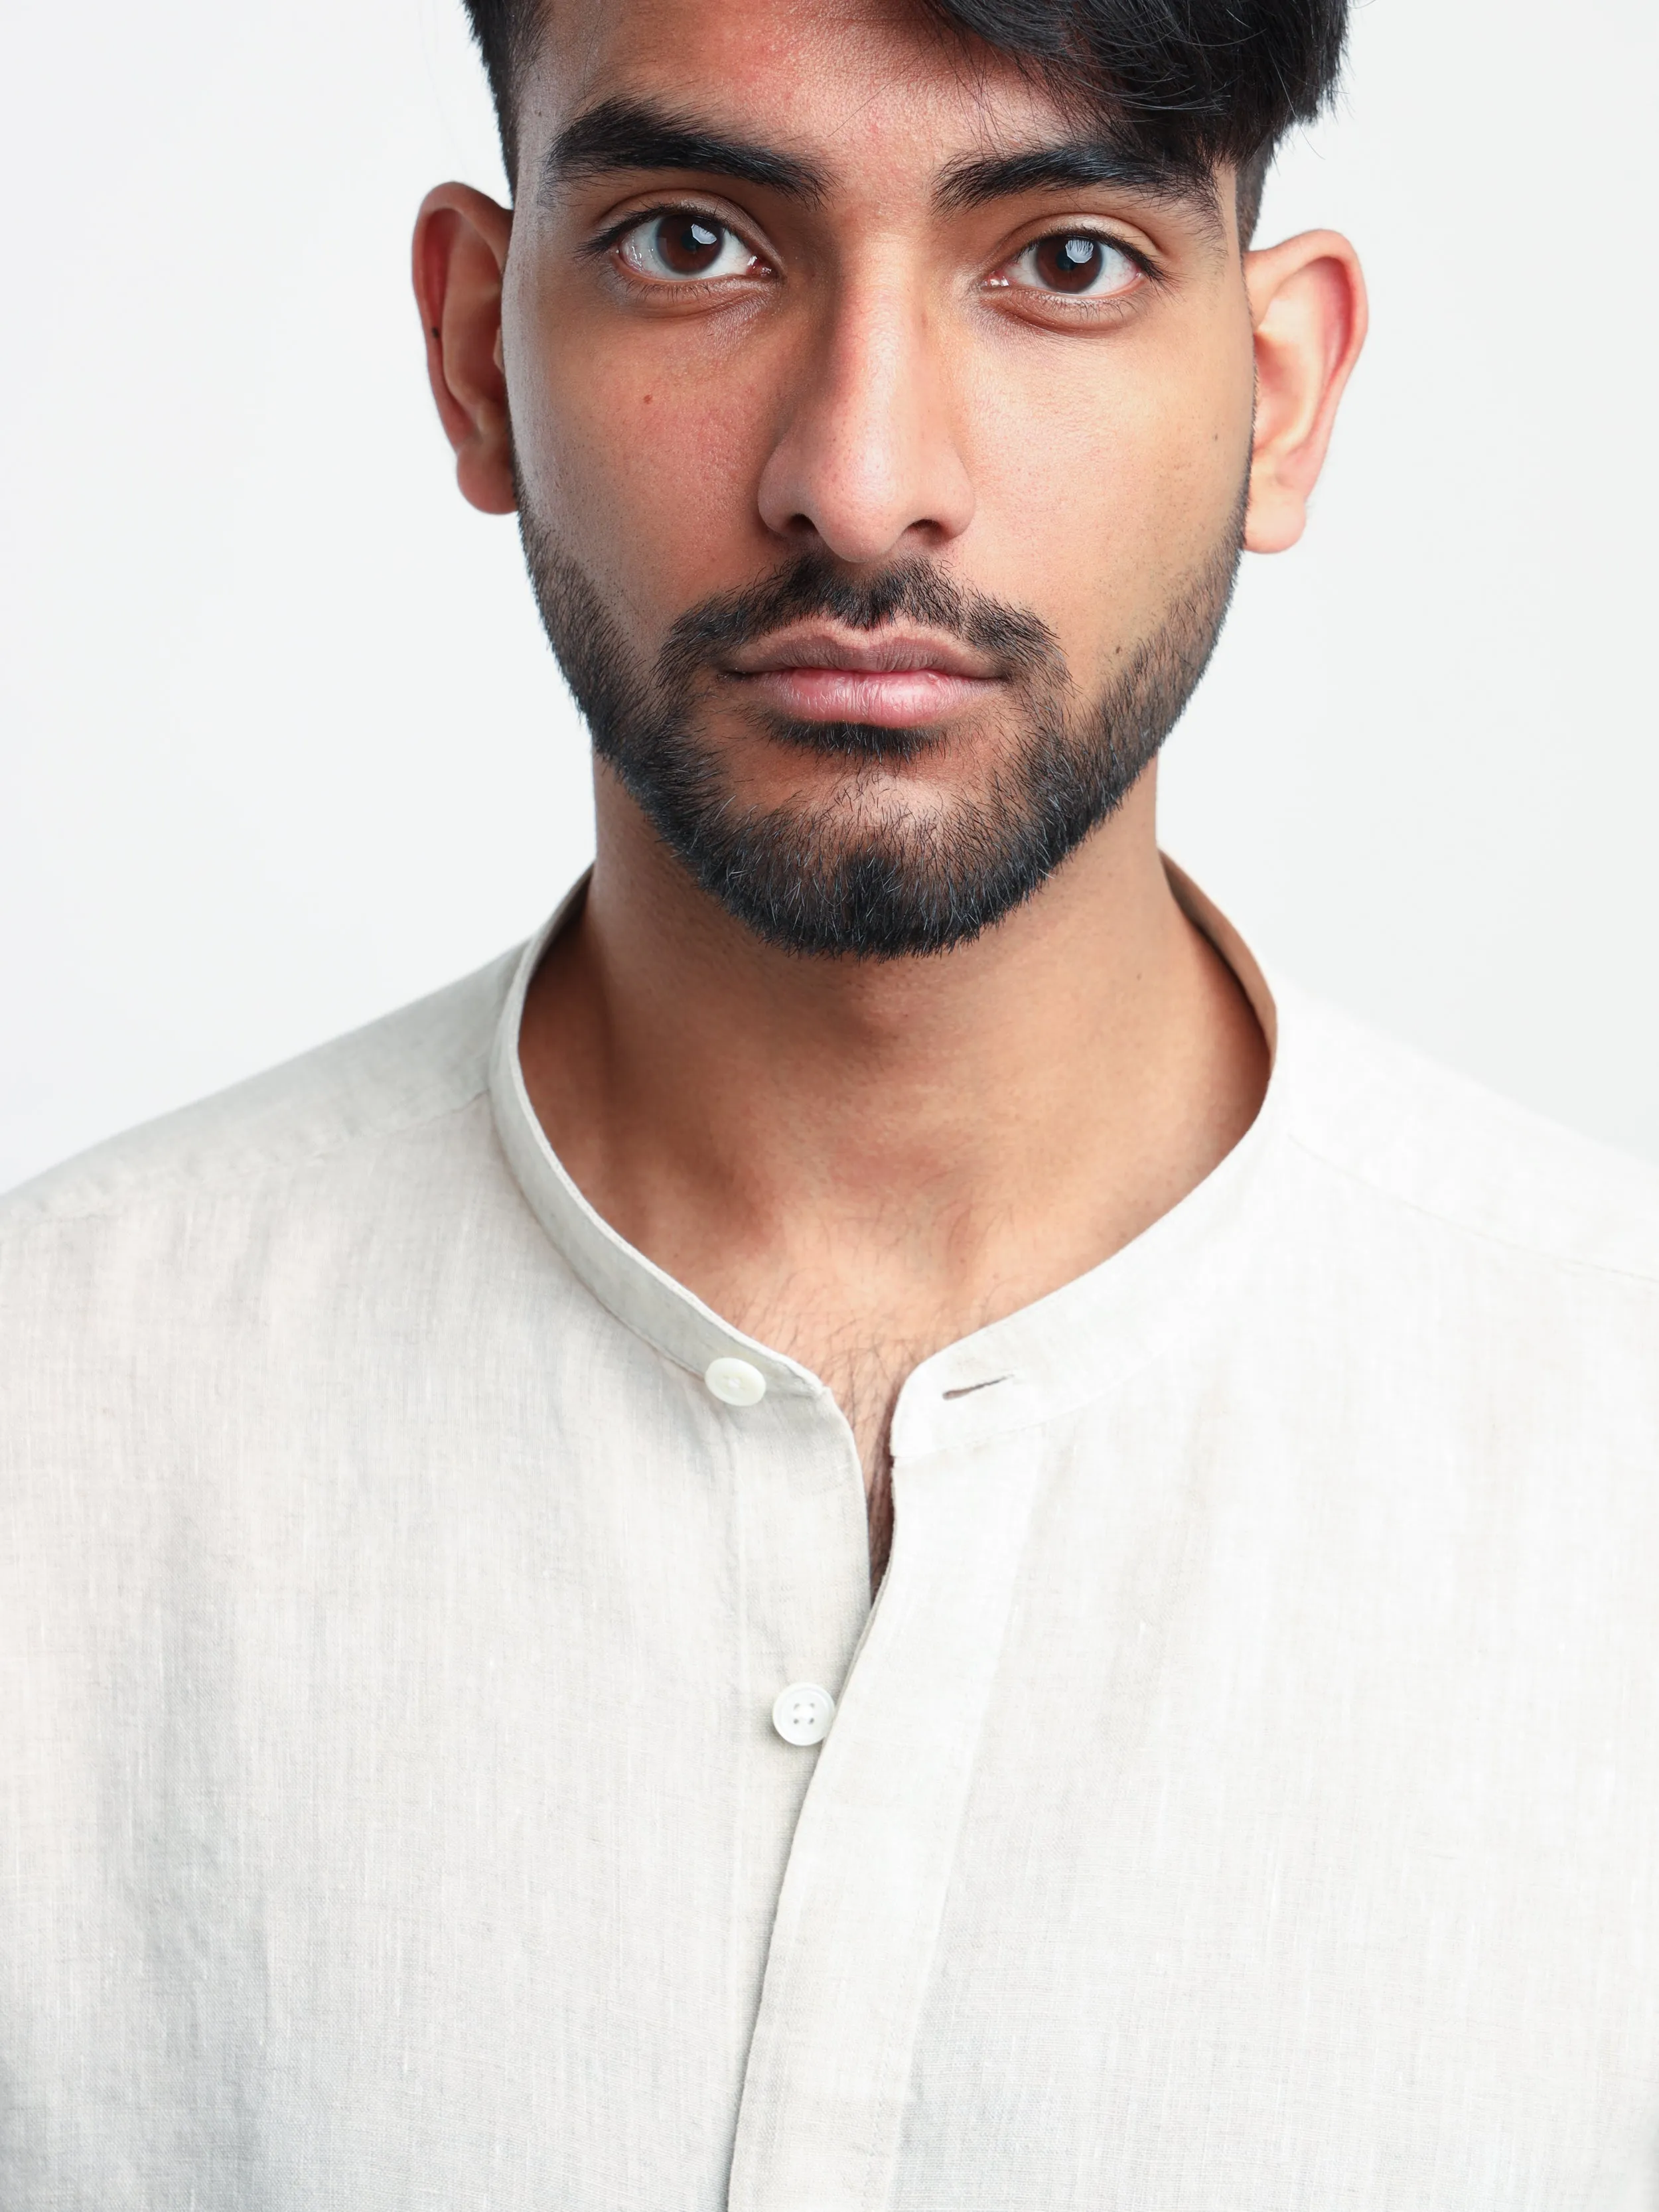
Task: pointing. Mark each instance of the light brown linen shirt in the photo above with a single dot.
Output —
(1242, 1796)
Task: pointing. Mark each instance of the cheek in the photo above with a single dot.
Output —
(642, 460)
(1105, 481)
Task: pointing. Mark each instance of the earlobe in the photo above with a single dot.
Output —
(461, 248)
(1308, 310)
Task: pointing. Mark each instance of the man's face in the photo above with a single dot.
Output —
(880, 449)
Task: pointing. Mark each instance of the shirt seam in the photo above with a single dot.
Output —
(168, 1184)
(1549, 1254)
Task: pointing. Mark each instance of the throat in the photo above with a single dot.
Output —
(862, 1166)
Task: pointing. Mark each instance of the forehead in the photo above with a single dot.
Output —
(843, 82)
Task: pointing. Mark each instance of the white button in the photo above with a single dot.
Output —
(734, 1381)
(803, 1713)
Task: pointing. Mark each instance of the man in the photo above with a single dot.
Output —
(868, 1531)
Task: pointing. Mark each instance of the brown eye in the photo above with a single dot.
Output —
(688, 246)
(1067, 264)
(1076, 264)
(685, 246)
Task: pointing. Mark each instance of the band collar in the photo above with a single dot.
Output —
(1041, 1361)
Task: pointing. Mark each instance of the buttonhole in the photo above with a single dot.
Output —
(968, 1388)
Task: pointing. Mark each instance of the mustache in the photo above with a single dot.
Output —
(916, 591)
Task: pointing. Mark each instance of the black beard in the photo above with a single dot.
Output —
(845, 878)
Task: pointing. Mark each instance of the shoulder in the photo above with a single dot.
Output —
(1422, 1138)
(400, 1074)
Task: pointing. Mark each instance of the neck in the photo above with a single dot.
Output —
(736, 1111)
(859, 1161)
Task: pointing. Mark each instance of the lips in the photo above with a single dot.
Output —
(890, 678)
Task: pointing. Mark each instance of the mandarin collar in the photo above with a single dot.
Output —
(1040, 1362)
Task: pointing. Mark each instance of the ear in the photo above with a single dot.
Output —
(1308, 309)
(461, 239)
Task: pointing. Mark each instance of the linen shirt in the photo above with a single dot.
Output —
(1241, 1797)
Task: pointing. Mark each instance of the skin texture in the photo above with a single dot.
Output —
(859, 1161)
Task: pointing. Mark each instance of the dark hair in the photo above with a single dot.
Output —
(1189, 83)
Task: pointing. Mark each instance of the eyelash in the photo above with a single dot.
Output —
(597, 248)
(1134, 255)
(606, 243)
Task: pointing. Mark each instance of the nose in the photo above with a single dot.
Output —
(867, 463)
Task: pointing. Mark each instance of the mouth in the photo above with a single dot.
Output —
(891, 679)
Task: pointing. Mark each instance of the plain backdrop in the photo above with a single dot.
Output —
(281, 745)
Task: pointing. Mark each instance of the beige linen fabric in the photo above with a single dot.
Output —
(1244, 1797)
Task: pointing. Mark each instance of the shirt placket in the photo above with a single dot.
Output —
(802, 1575)
(869, 1869)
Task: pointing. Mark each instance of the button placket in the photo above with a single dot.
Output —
(870, 1864)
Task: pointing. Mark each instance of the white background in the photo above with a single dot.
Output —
(280, 745)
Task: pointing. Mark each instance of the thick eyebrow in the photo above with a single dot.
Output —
(1077, 161)
(620, 135)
